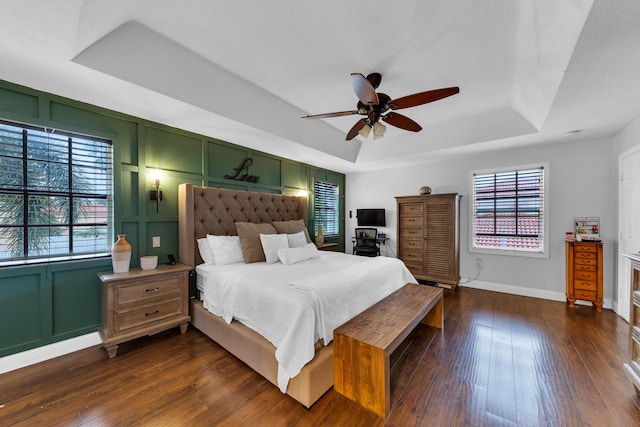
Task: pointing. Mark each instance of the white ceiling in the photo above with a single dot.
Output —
(529, 71)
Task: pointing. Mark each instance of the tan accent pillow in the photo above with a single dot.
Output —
(291, 227)
(249, 234)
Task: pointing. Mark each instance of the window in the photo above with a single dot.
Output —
(326, 206)
(508, 211)
(55, 193)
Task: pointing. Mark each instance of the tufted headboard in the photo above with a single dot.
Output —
(210, 210)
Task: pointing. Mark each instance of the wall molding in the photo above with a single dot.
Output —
(50, 351)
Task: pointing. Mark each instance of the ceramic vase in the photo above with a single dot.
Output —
(121, 254)
(319, 237)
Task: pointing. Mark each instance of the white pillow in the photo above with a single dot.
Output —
(271, 243)
(225, 249)
(205, 251)
(297, 240)
(296, 255)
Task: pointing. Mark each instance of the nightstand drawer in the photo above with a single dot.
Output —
(153, 287)
(141, 315)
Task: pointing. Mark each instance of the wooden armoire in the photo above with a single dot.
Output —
(428, 237)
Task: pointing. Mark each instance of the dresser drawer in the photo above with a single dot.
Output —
(141, 315)
(414, 267)
(588, 255)
(410, 256)
(411, 245)
(585, 285)
(586, 248)
(411, 221)
(411, 233)
(149, 289)
(411, 209)
(585, 261)
(585, 295)
(585, 267)
(585, 275)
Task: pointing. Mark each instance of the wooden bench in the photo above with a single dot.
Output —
(362, 346)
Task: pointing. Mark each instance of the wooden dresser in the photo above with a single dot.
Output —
(632, 367)
(143, 302)
(584, 272)
(429, 237)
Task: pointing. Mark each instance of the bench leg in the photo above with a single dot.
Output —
(435, 316)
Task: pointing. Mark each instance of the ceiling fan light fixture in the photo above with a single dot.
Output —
(364, 132)
(378, 130)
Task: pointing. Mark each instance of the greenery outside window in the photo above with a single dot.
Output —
(55, 195)
(326, 207)
(508, 211)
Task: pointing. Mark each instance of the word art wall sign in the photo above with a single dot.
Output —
(240, 176)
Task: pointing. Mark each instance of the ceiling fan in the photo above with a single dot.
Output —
(374, 105)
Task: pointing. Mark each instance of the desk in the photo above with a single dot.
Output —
(378, 240)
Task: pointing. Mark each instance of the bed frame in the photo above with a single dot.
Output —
(208, 210)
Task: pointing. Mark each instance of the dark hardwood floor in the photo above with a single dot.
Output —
(500, 360)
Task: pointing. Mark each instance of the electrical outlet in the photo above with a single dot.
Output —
(156, 241)
(479, 263)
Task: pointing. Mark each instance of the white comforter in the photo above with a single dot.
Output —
(293, 306)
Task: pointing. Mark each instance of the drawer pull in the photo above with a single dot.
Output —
(156, 289)
(152, 313)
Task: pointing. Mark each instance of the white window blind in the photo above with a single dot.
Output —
(55, 194)
(326, 206)
(508, 210)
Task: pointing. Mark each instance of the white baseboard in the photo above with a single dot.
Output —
(525, 292)
(40, 354)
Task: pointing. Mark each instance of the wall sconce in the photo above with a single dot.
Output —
(156, 194)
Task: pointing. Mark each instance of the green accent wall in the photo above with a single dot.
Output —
(45, 303)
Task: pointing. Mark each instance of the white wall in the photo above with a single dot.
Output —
(583, 182)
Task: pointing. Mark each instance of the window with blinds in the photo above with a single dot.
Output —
(326, 207)
(55, 193)
(508, 210)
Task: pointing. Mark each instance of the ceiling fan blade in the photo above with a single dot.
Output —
(422, 98)
(364, 89)
(355, 129)
(402, 122)
(325, 115)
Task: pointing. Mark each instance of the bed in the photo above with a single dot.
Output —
(299, 358)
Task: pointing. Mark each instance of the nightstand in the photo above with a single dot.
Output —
(332, 247)
(143, 302)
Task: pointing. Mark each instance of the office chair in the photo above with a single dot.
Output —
(366, 244)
